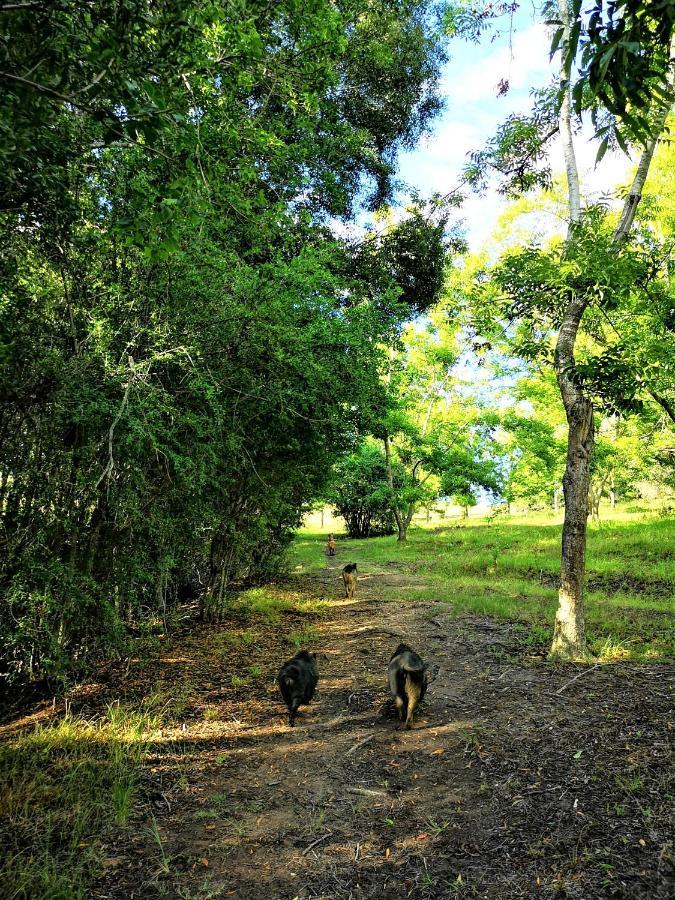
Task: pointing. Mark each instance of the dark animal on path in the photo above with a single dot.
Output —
(330, 546)
(407, 675)
(297, 679)
(349, 574)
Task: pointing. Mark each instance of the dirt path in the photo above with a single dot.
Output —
(506, 787)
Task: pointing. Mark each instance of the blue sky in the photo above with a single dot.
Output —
(473, 112)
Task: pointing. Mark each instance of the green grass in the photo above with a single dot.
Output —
(63, 788)
(268, 603)
(507, 569)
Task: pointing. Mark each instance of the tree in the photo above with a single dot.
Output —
(185, 347)
(595, 266)
(360, 492)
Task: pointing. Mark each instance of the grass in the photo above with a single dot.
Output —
(68, 789)
(508, 569)
(269, 603)
(63, 788)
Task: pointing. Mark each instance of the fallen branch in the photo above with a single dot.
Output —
(572, 680)
(366, 792)
(317, 841)
(373, 629)
(359, 745)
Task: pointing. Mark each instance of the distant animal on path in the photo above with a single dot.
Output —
(407, 675)
(297, 680)
(349, 575)
(330, 546)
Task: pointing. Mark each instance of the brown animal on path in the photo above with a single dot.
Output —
(349, 574)
(330, 546)
(407, 676)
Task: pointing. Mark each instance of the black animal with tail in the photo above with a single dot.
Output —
(297, 680)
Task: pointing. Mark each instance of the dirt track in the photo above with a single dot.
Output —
(511, 784)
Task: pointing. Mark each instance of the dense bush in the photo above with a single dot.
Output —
(361, 495)
(178, 365)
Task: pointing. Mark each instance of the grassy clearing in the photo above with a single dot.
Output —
(508, 569)
(270, 603)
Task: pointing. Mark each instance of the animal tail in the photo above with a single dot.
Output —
(293, 711)
(413, 668)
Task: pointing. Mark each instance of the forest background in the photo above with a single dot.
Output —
(221, 304)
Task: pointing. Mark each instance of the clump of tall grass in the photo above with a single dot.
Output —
(63, 787)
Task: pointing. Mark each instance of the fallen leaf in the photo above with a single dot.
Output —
(642, 842)
(204, 861)
(438, 752)
(388, 853)
(423, 836)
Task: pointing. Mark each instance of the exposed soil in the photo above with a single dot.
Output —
(516, 781)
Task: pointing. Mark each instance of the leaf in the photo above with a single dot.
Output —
(602, 149)
(577, 755)
(555, 43)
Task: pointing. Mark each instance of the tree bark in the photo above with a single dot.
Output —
(569, 639)
(400, 521)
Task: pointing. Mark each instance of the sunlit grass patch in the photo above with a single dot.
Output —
(269, 603)
(304, 638)
(509, 569)
(63, 787)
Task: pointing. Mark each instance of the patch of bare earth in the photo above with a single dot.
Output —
(516, 781)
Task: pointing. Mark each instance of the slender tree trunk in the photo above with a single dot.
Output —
(400, 522)
(612, 495)
(569, 639)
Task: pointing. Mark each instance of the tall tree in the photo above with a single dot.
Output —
(596, 266)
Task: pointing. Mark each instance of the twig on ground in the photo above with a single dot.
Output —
(366, 792)
(572, 680)
(374, 629)
(359, 745)
(317, 841)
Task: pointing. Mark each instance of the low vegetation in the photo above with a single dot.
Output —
(509, 569)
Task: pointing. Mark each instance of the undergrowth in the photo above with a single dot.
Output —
(63, 788)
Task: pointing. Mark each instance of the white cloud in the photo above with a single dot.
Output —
(523, 64)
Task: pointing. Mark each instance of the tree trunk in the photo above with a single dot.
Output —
(569, 636)
(612, 495)
(569, 640)
(400, 522)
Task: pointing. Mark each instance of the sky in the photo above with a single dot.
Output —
(473, 112)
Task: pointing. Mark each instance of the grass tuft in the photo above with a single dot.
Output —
(63, 787)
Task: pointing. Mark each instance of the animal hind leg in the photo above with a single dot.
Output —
(413, 693)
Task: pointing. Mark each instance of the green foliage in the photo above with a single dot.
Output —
(626, 284)
(621, 50)
(518, 151)
(360, 492)
(179, 366)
